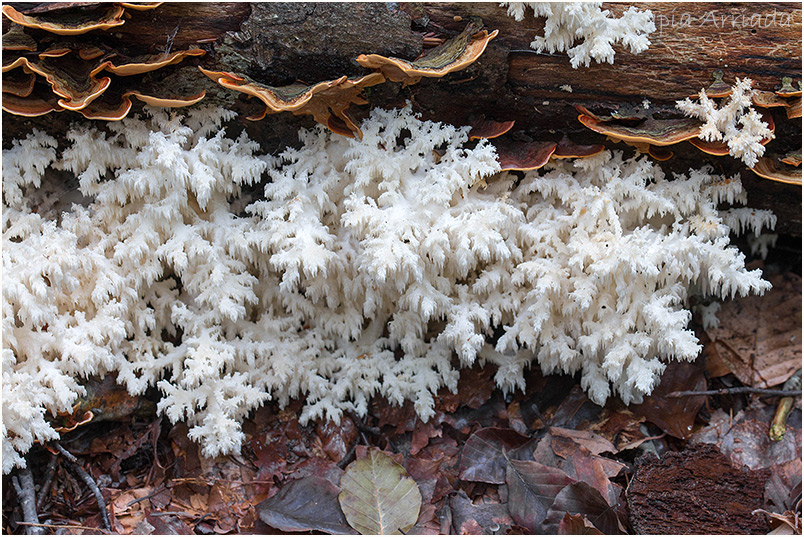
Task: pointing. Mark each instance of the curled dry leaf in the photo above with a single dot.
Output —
(378, 496)
(675, 415)
(306, 504)
(582, 499)
(532, 488)
(484, 455)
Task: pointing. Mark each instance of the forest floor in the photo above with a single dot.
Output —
(546, 460)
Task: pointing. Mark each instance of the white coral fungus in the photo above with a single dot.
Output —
(568, 22)
(365, 269)
(737, 123)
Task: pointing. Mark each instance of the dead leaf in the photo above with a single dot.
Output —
(306, 504)
(577, 525)
(337, 439)
(595, 443)
(675, 415)
(483, 458)
(759, 337)
(532, 488)
(377, 495)
(478, 519)
(744, 438)
(580, 498)
(581, 465)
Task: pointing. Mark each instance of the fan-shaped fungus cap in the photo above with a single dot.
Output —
(567, 149)
(794, 109)
(322, 101)
(38, 103)
(787, 89)
(523, 156)
(487, 128)
(72, 22)
(167, 101)
(19, 83)
(453, 55)
(74, 81)
(659, 153)
(718, 89)
(16, 39)
(773, 169)
(659, 132)
(144, 64)
(141, 6)
(793, 158)
(767, 99)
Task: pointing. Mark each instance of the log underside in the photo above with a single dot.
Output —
(279, 43)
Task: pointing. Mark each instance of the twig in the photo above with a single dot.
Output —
(778, 425)
(26, 492)
(737, 389)
(90, 482)
(64, 526)
(50, 472)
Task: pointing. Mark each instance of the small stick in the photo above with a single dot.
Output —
(778, 425)
(26, 492)
(738, 389)
(50, 473)
(63, 526)
(90, 482)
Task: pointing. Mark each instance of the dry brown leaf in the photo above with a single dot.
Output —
(759, 338)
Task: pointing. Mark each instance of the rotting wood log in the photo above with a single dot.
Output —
(280, 43)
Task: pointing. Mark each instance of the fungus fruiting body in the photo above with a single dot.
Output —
(453, 55)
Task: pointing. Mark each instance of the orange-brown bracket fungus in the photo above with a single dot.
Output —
(16, 39)
(787, 89)
(19, 83)
(486, 128)
(567, 149)
(71, 22)
(453, 55)
(328, 102)
(775, 170)
(32, 105)
(152, 62)
(659, 132)
(523, 156)
(718, 89)
(793, 158)
(794, 108)
(74, 81)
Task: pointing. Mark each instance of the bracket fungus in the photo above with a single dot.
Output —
(72, 21)
(516, 155)
(453, 55)
(68, 74)
(487, 128)
(328, 102)
(777, 170)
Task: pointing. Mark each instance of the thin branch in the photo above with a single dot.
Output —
(26, 493)
(90, 482)
(64, 526)
(737, 389)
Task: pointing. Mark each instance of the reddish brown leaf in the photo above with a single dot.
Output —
(577, 525)
(580, 498)
(337, 439)
(595, 443)
(480, 519)
(307, 504)
(675, 415)
(474, 389)
(532, 488)
(483, 458)
(581, 465)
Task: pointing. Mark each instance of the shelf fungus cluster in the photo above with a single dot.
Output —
(47, 69)
(781, 168)
(329, 101)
